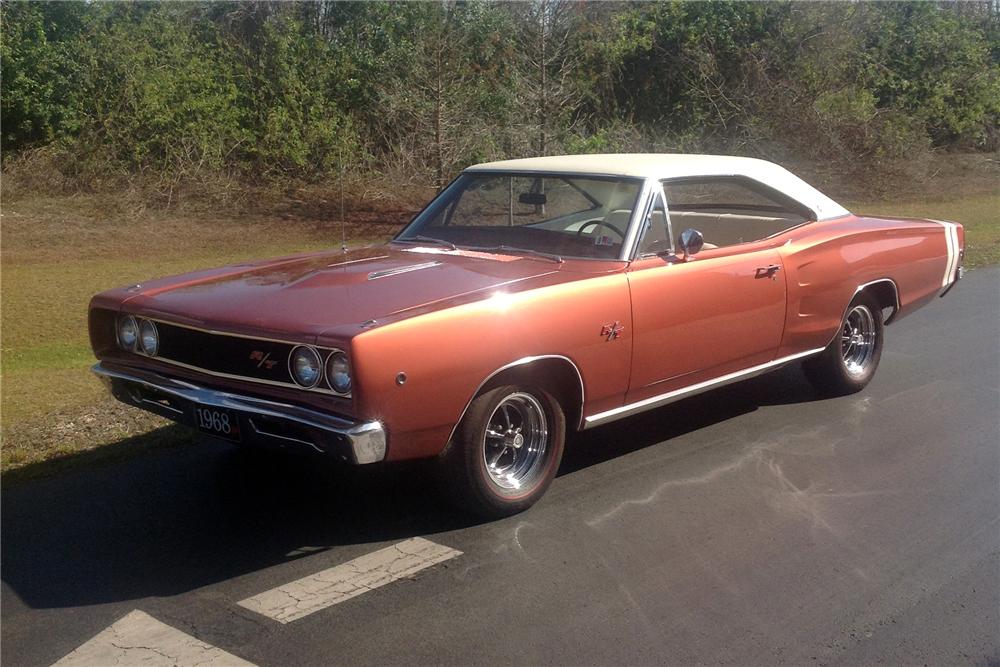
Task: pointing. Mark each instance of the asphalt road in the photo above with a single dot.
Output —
(751, 525)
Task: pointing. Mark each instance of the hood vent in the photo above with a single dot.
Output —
(375, 275)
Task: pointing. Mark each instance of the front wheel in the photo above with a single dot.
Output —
(506, 451)
(848, 364)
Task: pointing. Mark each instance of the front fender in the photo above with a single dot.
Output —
(418, 375)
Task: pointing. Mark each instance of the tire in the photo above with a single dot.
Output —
(848, 364)
(505, 452)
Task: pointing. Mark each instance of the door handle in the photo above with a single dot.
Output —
(768, 271)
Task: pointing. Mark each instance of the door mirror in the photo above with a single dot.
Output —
(690, 242)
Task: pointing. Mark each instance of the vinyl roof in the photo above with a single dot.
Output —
(670, 165)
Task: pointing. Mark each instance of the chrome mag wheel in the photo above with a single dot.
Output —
(858, 340)
(515, 442)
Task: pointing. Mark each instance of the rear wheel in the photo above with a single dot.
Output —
(506, 451)
(848, 364)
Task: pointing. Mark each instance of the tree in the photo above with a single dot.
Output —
(440, 106)
(37, 68)
(546, 85)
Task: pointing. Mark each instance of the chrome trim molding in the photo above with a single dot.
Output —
(356, 261)
(216, 332)
(385, 273)
(692, 390)
(895, 291)
(243, 378)
(630, 244)
(892, 282)
(888, 320)
(366, 440)
(521, 362)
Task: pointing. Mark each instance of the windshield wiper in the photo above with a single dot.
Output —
(520, 251)
(427, 239)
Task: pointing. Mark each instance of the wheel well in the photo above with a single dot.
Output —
(887, 296)
(556, 375)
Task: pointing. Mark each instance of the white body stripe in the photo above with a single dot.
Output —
(951, 244)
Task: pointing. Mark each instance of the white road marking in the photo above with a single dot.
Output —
(300, 598)
(140, 639)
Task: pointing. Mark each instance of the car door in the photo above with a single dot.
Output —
(701, 317)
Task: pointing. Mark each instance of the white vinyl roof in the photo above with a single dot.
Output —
(667, 165)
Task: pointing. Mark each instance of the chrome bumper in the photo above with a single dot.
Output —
(261, 421)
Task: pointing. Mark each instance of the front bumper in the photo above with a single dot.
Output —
(261, 421)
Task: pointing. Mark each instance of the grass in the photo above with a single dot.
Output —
(978, 213)
(59, 251)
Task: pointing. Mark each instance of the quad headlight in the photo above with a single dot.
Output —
(128, 332)
(149, 338)
(136, 334)
(338, 373)
(305, 366)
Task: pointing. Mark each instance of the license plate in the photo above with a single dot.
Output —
(217, 422)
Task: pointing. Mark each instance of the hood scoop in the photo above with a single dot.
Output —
(375, 275)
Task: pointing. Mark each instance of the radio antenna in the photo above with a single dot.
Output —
(343, 220)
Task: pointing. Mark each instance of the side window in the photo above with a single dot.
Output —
(730, 211)
(656, 233)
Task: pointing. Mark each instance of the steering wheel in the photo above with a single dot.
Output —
(600, 223)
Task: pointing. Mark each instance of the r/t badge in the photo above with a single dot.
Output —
(612, 330)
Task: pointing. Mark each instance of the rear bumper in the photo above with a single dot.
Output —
(959, 274)
(261, 421)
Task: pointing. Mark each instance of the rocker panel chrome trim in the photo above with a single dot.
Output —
(692, 390)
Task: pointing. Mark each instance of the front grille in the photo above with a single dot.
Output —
(231, 356)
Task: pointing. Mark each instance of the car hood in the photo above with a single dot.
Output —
(335, 293)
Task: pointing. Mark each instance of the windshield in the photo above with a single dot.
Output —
(558, 215)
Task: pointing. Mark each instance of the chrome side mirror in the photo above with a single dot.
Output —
(690, 242)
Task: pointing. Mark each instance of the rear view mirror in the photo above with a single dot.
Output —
(690, 242)
(532, 198)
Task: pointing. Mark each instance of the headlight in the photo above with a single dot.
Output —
(305, 366)
(338, 373)
(149, 339)
(128, 332)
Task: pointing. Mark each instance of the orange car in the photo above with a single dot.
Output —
(530, 297)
